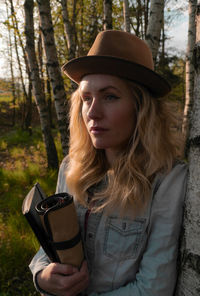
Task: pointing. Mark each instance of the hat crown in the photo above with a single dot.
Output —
(122, 45)
(120, 54)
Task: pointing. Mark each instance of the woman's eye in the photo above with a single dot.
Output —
(85, 99)
(111, 97)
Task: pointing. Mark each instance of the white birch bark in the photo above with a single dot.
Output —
(69, 28)
(189, 68)
(154, 26)
(189, 278)
(107, 14)
(37, 86)
(10, 57)
(146, 15)
(54, 70)
(126, 16)
(26, 116)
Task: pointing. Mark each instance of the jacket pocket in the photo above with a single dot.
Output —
(123, 237)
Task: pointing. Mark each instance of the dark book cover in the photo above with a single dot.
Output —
(35, 196)
(54, 222)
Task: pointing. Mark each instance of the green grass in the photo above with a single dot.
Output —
(24, 163)
(20, 137)
(5, 97)
(3, 145)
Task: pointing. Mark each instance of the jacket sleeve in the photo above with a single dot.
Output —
(41, 260)
(157, 272)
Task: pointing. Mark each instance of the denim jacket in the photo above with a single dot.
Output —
(132, 257)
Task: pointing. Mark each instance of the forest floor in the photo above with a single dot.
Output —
(22, 164)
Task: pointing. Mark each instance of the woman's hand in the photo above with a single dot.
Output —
(63, 279)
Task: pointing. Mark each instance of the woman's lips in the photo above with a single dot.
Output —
(97, 130)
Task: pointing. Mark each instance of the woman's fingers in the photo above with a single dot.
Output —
(63, 280)
(77, 277)
(64, 269)
(79, 281)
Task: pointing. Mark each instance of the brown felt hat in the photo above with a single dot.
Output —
(121, 54)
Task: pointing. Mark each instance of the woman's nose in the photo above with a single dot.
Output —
(95, 110)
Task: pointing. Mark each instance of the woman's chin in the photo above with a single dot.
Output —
(99, 145)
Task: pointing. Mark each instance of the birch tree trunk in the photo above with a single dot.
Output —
(54, 71)
(189, 69)
(189, 277)
(27, 116)
(25, 95)
(163, 39)
(15, 28)
(69, 27)
(126, 16)
(70, 33)
(37, 86)
(107, 14)
(49, 99)
(156, 19)
(14, 97)
(146, 15)
(10, 54)
(40, 58)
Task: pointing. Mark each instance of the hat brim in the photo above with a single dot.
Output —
(77, 68)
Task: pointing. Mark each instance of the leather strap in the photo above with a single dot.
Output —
(67, 244)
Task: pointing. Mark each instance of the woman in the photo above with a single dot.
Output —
(123, 172)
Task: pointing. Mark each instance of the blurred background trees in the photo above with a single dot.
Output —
(64, 30)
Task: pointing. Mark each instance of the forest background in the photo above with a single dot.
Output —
(33, 102)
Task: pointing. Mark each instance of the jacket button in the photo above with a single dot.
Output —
(90, 235)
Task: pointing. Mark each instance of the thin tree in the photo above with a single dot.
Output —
(70, 29)
(155, 23)
(107, 14)
(162, 45)
(189, 68)
(10, 54)
(54, 70)
(37, 86)
(40, 57)
(189, 277)
(126, 16)
(25, 95)
(146, 15)
(27, 114)
(45, 80)
(49, 98)
(136, 17)
(139, 16)
(70, 33)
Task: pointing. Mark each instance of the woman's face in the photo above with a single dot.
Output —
(108, 111)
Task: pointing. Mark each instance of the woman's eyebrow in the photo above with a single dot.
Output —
(108, 87)
(103, 89)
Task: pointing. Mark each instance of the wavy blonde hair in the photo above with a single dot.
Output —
(153, 148)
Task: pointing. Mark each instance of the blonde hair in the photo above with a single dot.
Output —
(152, 148)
